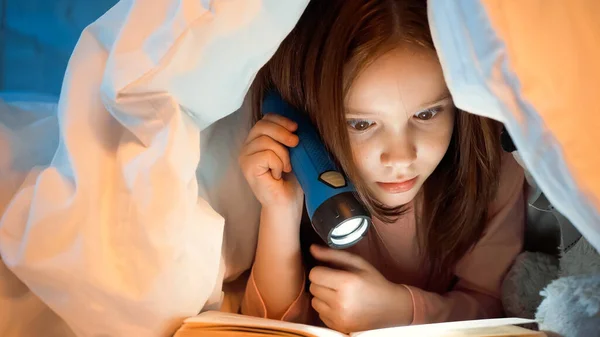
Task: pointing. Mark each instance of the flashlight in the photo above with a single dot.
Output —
(337, 216)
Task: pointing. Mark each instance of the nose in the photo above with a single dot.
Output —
(399, 153)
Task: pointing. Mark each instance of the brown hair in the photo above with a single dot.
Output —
(313, 69)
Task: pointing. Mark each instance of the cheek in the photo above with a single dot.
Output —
(364, 153)
(433, 142)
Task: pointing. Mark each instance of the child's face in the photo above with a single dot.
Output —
(400, 119)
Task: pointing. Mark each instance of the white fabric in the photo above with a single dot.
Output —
(26, 115)
(121, 234)
(116, 235)
(533, 65)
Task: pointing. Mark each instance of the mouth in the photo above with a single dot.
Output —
(398, 186)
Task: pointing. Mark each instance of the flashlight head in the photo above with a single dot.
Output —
(341, 220)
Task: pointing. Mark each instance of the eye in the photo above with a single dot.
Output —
(428, 114)
(360, 124)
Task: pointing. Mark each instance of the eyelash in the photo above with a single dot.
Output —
(352, 123)
(434, 111)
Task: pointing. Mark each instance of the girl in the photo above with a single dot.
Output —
(448, 207)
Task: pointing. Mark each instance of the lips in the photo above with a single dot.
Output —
(398, 187)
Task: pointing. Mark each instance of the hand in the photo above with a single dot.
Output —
(265, 160)
(356, 297)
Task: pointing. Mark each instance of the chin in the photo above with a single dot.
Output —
(395, 200)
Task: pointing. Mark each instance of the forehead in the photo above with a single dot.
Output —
(401, 80)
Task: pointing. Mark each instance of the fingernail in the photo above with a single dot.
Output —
(294, 140)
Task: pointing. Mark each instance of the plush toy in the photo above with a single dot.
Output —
(556, 280)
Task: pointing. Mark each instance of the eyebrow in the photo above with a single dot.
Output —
(437, 101)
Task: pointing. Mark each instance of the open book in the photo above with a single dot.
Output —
(221, 324)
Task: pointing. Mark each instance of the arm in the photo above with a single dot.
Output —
(481, 271)
(278, 274)
(113, 229)
(276, 286)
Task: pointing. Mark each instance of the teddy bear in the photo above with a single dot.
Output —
(556, 279)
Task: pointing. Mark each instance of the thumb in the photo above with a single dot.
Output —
(340, 258)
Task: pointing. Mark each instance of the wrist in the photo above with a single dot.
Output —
(282, 213)
(400, 306)
(280, 227)
(405, 303)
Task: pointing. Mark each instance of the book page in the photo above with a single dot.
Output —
(229, 331)
(498, 331)
(215, 319)
(444, 329)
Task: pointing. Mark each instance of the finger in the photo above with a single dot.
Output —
(340, 258)
(273, 130)
(322, 308)
(328, 322)
(265, 162)
(265, 142)
(325, 294)
(328, 277)
(281, 120)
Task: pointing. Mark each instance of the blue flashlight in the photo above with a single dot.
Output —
(337, 216)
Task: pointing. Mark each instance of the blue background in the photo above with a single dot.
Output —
(37, 38)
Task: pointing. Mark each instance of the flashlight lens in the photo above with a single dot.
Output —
(347, 227)
(349, 231)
